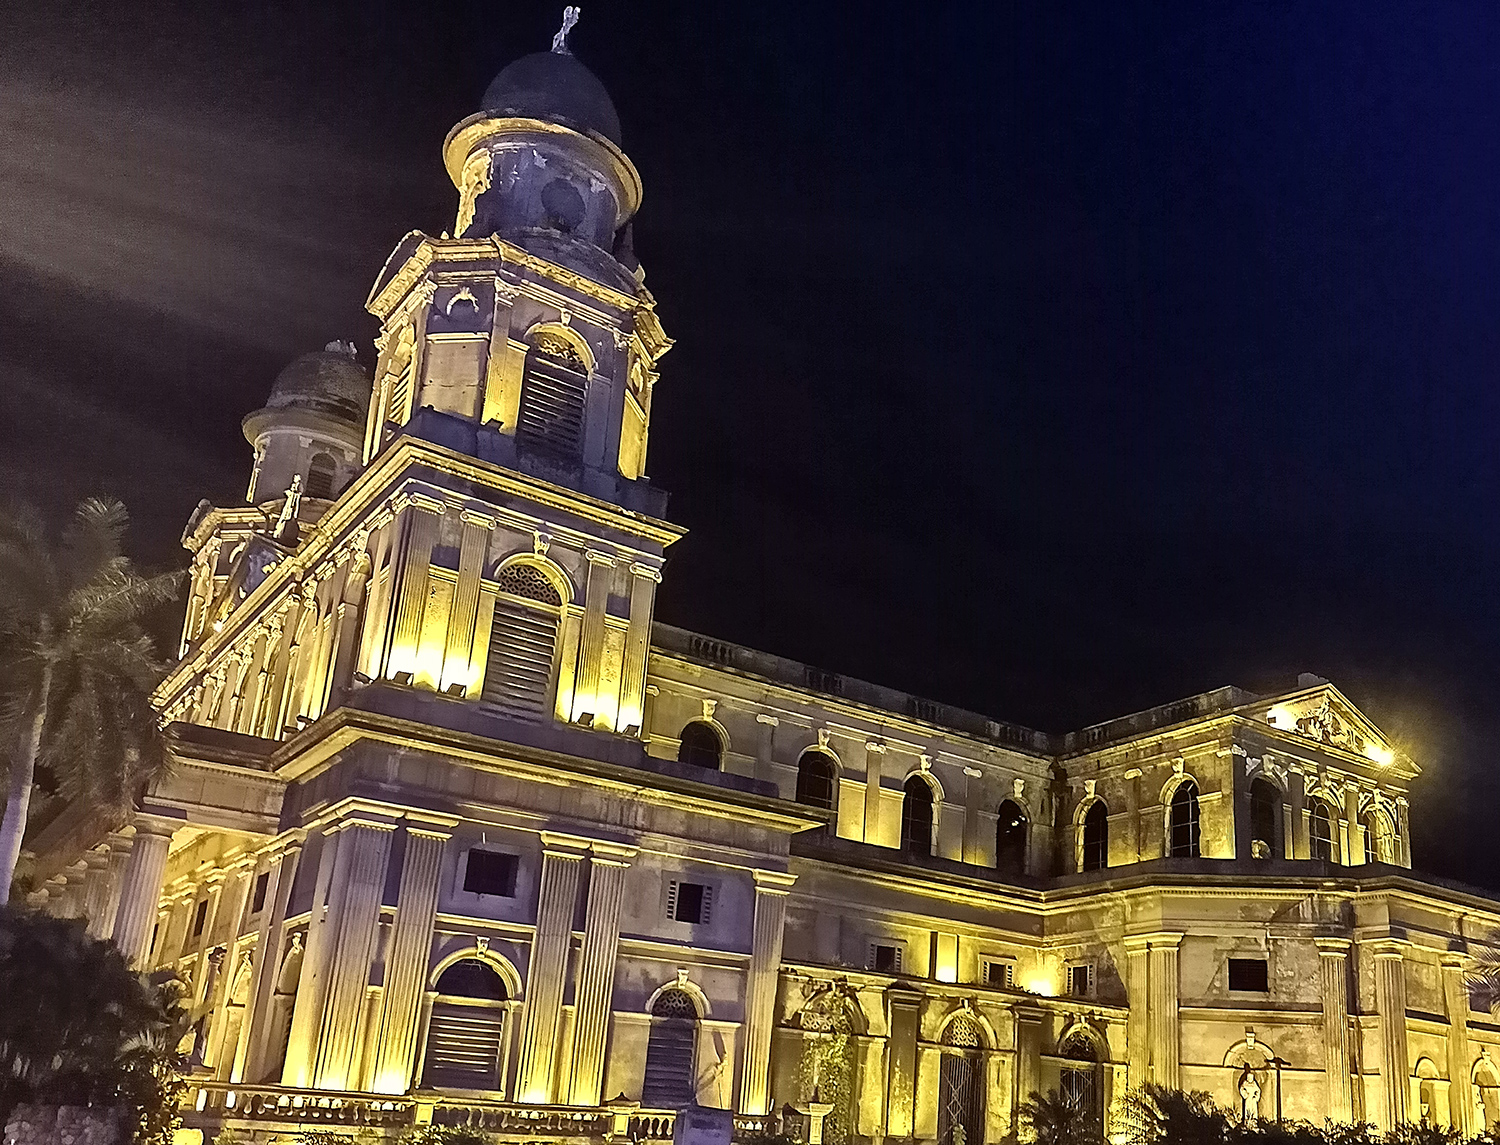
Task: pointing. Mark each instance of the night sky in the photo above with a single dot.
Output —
(1051, 360)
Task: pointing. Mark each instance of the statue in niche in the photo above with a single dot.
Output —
(1249, 1097)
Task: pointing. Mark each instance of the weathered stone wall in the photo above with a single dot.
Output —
(65, 1125)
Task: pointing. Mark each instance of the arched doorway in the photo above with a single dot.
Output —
(467, 1030)
(1265, 820)
(828, 1061)
(671, 1052)
(916, 817)
(961, 1084)
(1010, 839)
(1078, 1079)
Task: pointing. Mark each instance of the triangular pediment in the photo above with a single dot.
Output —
(1325, 716)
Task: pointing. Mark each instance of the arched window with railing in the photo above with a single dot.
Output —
(554, 390)
(1078, 1078)
(701, 746)
(467, 1029)
(1265, 820)
(518, 673)
(961, 1083)
(917, 816)
(671, 1052)
(1094, 846)
(1010, 838)
(817, 779)
(1183, 828)
(1320, 834)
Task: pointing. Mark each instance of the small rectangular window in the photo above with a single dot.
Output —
(258, 895)
(689, 902)
(1081, 980)
(491, 873)
(885, 958)
(1249, 974)
(200, 918)
(997, 973)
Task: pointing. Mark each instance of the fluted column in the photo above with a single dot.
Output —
(1390, 1005)
(1403, 828)
(874, 756)
(1137, 1027)
(591, 647)
(409, 955)
(771, 889)
(421, 517)
(141, 890)
(249, 1059)
(643, 582)
(594, 994)
(1336, 1060)
(458, 646)
(1162, 1017)
(353, 920)
(557, 901)
(1456, 995)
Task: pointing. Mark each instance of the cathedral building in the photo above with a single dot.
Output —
(460, 834)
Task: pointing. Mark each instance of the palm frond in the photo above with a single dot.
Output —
(93, 537)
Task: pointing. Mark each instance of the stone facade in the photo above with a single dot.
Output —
(459, 832)
(66, 1125)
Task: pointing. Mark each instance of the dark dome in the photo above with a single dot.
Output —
(554, 86)
(329, 381)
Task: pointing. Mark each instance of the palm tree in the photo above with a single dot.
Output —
(1158, 1115)
(76, 667)
(1060, 1119)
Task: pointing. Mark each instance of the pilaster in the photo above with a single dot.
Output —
(643, 582)
(586, 701)
(1028, 1055)
(562, 858)
(458, 646)
(409, 955)
(901, 1081)
(771, 889)
(421, 517)
(594, 993)
(1390, 1006)
(1162, 1019)
(1336, 1057)
(874, 758)
(1137, 1029)
(280, 876)
(1456, 996)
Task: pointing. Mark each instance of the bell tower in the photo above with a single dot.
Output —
(525, 343)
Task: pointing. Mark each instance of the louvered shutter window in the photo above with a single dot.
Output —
(523, 638)
(467, 1028)
(553, 392)
(670, 1052)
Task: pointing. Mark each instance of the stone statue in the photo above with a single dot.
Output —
(570, 17)
(285, 530)
(1249, 1098)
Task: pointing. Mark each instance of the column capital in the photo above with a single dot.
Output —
(1454, 959)
(430, 824)
(356, 812)
(773, 882)
(1154, 940)
(1389, 947)
(1333, 947)
(646, 572)
(157, 825)
(476, 519)
(559, 845)
(604, 852)
(423, 501)
(599, 557)
(875, 745)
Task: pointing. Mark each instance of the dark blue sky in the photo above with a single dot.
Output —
(1055, 360)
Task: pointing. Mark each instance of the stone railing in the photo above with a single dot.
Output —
(210, 1104)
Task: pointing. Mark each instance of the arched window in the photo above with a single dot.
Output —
(961, 1084)
(1010, 839)
(1320, 832)
(467, 1028)
(1078, 1080)
(916, 817)
(701, 746)
(523, 641)
(553, 391)
(320, 473)
(1380, 837)
(1182, 822)
(1095, 850)
(817, 779)
(671, 1050)
(1265, 820)
(830, 1049)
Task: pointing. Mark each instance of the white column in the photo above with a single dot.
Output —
(141, 891)
(1163, 1017)
(557, 901)
(409, 956)
(1336, 1066)
(771, 889)
(594, 993)
(1390, 1005)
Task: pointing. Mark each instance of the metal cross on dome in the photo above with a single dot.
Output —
(570, 17)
